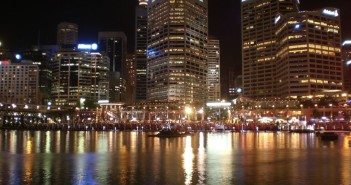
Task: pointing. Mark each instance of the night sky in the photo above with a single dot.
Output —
(21, 22)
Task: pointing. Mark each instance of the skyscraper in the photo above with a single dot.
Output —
(67, 33)
(259, 44)
(130, 82)
(71, 77)
(114, 45)
(140, 51)
(308, 54)
(213, 73)
(43, 60)
(177, 51)
(346, 56)
(79, 73)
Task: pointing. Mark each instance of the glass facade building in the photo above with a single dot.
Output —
(177, 51)
(259, 44)
(308, 53)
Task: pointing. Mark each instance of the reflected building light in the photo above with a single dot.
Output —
(188, 160)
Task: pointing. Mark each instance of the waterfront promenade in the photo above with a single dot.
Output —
(192, 126)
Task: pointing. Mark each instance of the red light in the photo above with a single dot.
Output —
(5, 63)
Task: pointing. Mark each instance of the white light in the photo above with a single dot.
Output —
(218, 104)
(103, 101)
(277, 19)
(334, 13)
(94, 46)
(87, 46)
(18, 56)
(346, 42)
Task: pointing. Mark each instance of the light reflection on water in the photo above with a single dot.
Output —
(48, 157)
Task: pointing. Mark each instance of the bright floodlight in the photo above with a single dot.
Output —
(18, 56)
(94, 46)
(188, 110)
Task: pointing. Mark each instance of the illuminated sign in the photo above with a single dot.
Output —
(87, 46)
(103, 101)
(5, 63)
(348, 62)
(334, 13)
(218, 104)
(346, 42)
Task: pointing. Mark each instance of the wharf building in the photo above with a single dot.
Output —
(114, 45)
(213, 73)
(177, 51)
(19, 82)
(140, 52)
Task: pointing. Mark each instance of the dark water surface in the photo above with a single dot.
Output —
(97, 157)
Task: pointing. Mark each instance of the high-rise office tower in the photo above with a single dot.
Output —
(140, 51)
(79, 74)
(177, 51)
(259, 44)
(114, 45)
(308, 54)
(67, 33)
(99, 76)
(71, 78)
(43, 60)
(346, 56)
(130, 82)
(213, 73)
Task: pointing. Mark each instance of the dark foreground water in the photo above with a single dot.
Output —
(97, 157)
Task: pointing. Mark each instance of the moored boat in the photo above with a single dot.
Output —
(170, 133)
(328, 136)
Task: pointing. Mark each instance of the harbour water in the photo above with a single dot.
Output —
(115, 157)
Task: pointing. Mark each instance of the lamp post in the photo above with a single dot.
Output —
(167, 113)
(331, 112)
(179, 117)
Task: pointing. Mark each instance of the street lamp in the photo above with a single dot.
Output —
(331, 112)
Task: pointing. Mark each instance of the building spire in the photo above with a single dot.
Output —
(143, 2)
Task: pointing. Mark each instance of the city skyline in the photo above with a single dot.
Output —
(23, 25)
